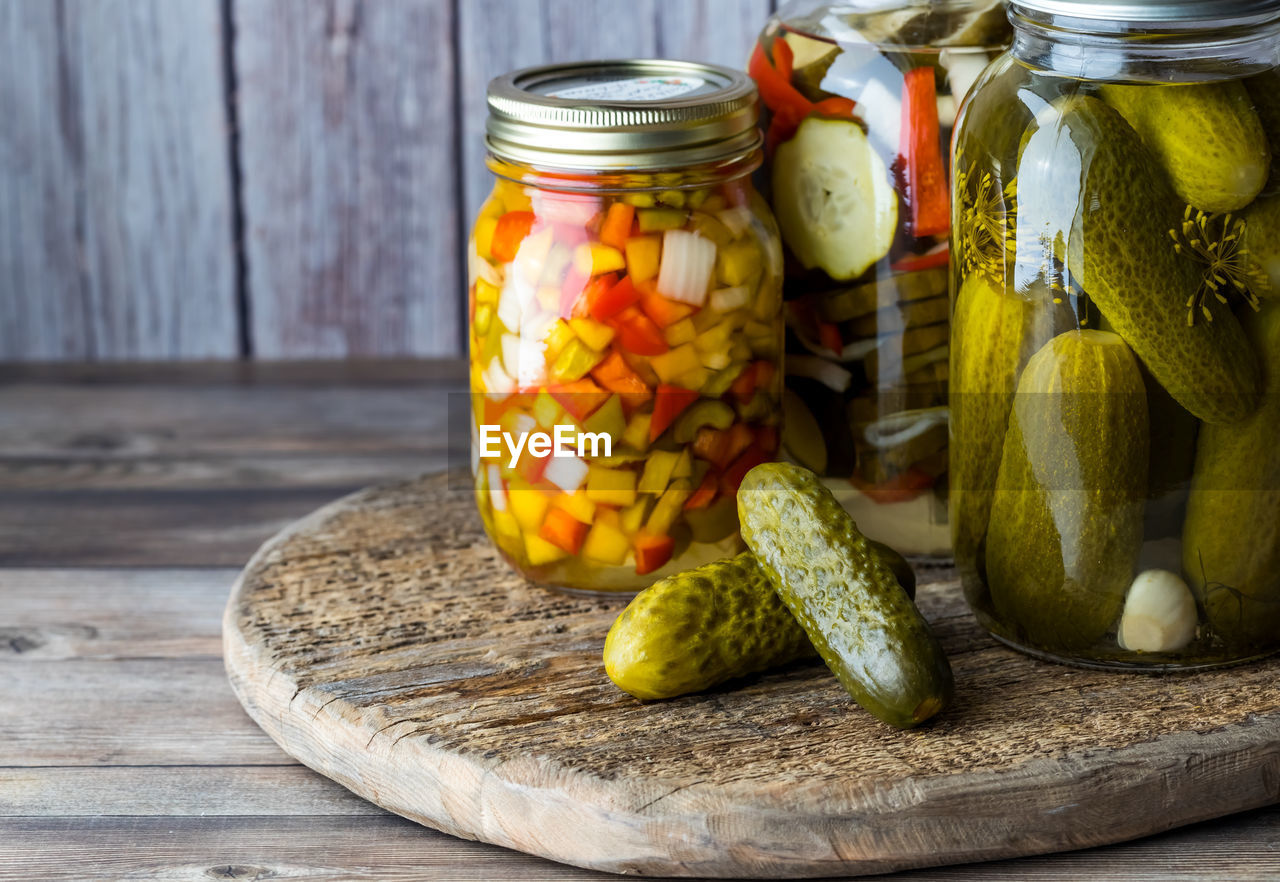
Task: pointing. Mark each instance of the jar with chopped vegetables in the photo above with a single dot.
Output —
(859, 100)
(626, 326)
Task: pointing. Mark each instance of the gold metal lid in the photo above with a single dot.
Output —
(626, 114)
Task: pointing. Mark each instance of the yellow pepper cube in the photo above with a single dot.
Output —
(484, 318)
(684, 464)
(606, 544)
(715, 338)
(576, 505)
(528, 505)
(652, 220)
(658, 469)
(694, 379)
(546, 410)
(681, 332)
(575, 361)
(607, 420)
(482, 235)
(674, 362)
(738, 261)
(636, 435)
(632, 518)
(505, 523)
(669, 507)
(595, 334)
(644, 257)
(486, 291)
(593, 259)
(541, 552)
(558, 337)
(611, 486)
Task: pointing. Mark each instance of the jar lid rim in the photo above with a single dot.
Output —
(622, 113)
(1221, 13)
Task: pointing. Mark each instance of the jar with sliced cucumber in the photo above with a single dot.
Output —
(1115, 350)
(626, 293)
(859, 105)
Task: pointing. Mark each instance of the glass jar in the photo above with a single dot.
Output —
(1115, 364)
(625, 286)
(860, 98)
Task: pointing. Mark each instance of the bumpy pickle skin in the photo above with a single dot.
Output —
(1206, 135)
(845, 597)
(1091, 194)
(1264, 91)
(695, 630)
(1262, 238)
(1066, 517)
(1231, 537)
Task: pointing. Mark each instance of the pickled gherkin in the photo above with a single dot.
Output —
(1119, 252)
(844, 595)
(723, 620)
(995, 332)
(1206, 135)
(1066, 516)
(696, 629)
(1231, 539)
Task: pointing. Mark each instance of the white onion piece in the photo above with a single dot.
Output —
(688, 260)
(829, 374)
(899, 428)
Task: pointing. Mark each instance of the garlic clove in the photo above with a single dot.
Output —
(1159, 613)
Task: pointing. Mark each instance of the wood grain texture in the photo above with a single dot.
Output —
(496, 36)
(200, 469)
(390, 849)
(383, 643)
(350, 177)
(115, 186)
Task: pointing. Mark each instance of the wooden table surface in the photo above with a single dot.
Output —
(129, 497)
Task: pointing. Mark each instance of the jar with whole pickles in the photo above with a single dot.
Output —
(1115, 358)
(625, 298)
(859, 100)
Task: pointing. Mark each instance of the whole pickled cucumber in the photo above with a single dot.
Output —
(1206, 135)
(994, 332)
(845, 597)
(1090, 190)
(1262, 238)
(1066, 518)
(1231, 538)
(695, 630)
(1264, 90)
(691, 631)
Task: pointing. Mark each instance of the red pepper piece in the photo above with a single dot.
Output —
(921, 149)
(510, 231)
(652, 551)
(829, 336)
(706, 492)
(669, 404)
(734, 474)
(664, 312)
(932, 260)
(637, 333)
(836, 106)
(612, 300)
(900, 488)
(563, 530)
(581, 398)
(776, 90)
(617, 376)
(576, 300)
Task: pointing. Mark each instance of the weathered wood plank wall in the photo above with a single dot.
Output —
(115, 194)
(271, 179)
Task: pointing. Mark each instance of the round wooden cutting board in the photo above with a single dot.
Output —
(382, 642)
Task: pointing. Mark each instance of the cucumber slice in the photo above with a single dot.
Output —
(833, 198)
